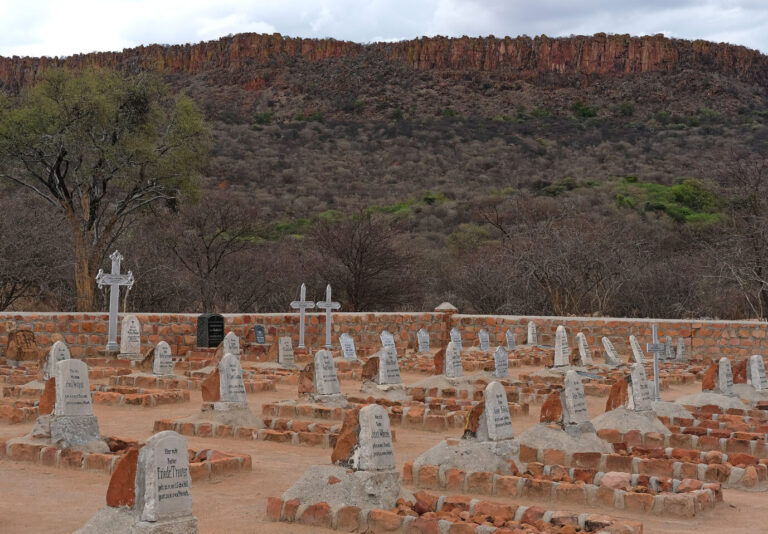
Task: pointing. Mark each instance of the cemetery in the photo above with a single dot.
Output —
(384, 422)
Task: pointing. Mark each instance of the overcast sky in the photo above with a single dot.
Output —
(59, 27)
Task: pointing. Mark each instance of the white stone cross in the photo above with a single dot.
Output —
(302, 305)
(655, 348)
(114, 280)
(328, 305)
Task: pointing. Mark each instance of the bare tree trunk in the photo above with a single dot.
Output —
(85, 274)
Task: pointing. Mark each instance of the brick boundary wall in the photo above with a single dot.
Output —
(86, 333)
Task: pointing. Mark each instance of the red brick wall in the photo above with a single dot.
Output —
(86, 333)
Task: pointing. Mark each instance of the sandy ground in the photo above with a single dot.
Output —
(41, 499)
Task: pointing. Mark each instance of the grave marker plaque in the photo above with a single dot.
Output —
(510, 337)
(484, 340)
(260, 335)
(562, 351)
(497, 418)
(422, 337)
(130, 337)
(756, 373)
(163, 478)
(210, 330)
(348, 347)
(59, 352)
(231, 387)
(639, 395)
(637, 351)
(285, 352)
(452, 367)
(163, 363)
(533, 337)
(326, 379)
(456, 337)
(501, 362)
(574, 400)
(725, 377)
(375, 439)
(389, 370)
(584, 353)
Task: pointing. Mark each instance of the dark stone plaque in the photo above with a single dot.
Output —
(210, 330)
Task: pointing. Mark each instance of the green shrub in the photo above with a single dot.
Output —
(580, 109)
(265, 117)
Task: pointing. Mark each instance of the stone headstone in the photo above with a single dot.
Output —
(456, 337)
(725, 377)
(484, 340)
(637, 351)
(533, 338)
(326, 380)
(387, 339)
(231, 387)
(562, 352)
(680, 355)
(422, 337)
(574, 402)
(498, 422)
(501, 363)
(59, 352)
(510, 337)
(260, 335)
(639, 397)
(452, 367)
(375, 451)
(163, 479)
(669, 348)
(285, 351)
(585, 355)
(73, 422)
(130, 337)
(611, 356)
(163, 363)
(389, 370)
(348, 346)
(231, 344)
(21, 346)
(210, 330)
(756, 373)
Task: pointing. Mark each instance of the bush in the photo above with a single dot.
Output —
(264, 117)
(580, 109)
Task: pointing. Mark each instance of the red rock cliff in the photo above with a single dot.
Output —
(513, 57)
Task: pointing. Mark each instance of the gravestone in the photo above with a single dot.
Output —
(387, 339)
(452, 367)
(574, 404)
(422, 337)
(533, 338)
(456, 338)
(562, 351)
(375, 451)
(21, 347)
(637, 351)
(328, 305)
(756, 373)
(484, 340)
(302, 305)
(130, 337)
(210, 330)
(639, 396)
(260, 334)
(231, 344)
(163, 481)
(657, 349)
(231, 387)
(163, 363)
(725, 377)
(501, 363)
(285, 351)
(680, 355)
(498, 423)
(326, 381)
(114, 280)
(611, 356)
(59, 352)
(510, 337)
(669, 349)
(389, 370)
(73, 422)
(348, 347)
(585, 355)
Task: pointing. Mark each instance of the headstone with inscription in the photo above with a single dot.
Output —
(387, 339)
(574, 404)
(611, 356)
(669, 348)
(725, 377)
(21, 347)
(375, 452)
(231, 387)
(326, 380)
(210, 330)
(114, 280)
(639, 395)
(501, 363)
(756, 373)
(422, 337)
(510, 338)
(260, 334)
(452, 367)
(59, 352)
(130, 338)
(231, 344)
(680, 354)
(585, 355)
(389, 370)
(285, 351)
(637, 350)
(348, 346)
(498, 422)
(73, 422)
(484, 340)
(562, 352)
(456, 337)
(163, 362)
(533, 337)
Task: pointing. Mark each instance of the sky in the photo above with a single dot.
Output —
(62, 28)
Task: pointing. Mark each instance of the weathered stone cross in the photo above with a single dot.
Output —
(302, 305)
(328, 305)
(655, 348)
(114, 280)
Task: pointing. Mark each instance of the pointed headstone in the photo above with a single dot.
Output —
(285, 352)
(375, 451)
(130, 337)
(498, 422)
(574, 404)
(756, 373)
(669, 348)
(387, 339)
(231, 387)
(456, 337)
(422, 337)
(501, 363)
(452, 367)
(484, 340)
(611, 356)
(389, 370)
(639, 397)
(562, 352)
(73, 421)
(59, 352)
(348, 347)
(326, 381)
(533, 338)
(163, 362)
(637, 351)
(585, 355)
(725, 377)
(510, 337)
(680, 355)
(231, 344)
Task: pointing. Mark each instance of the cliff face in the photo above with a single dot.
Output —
(512, 57)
